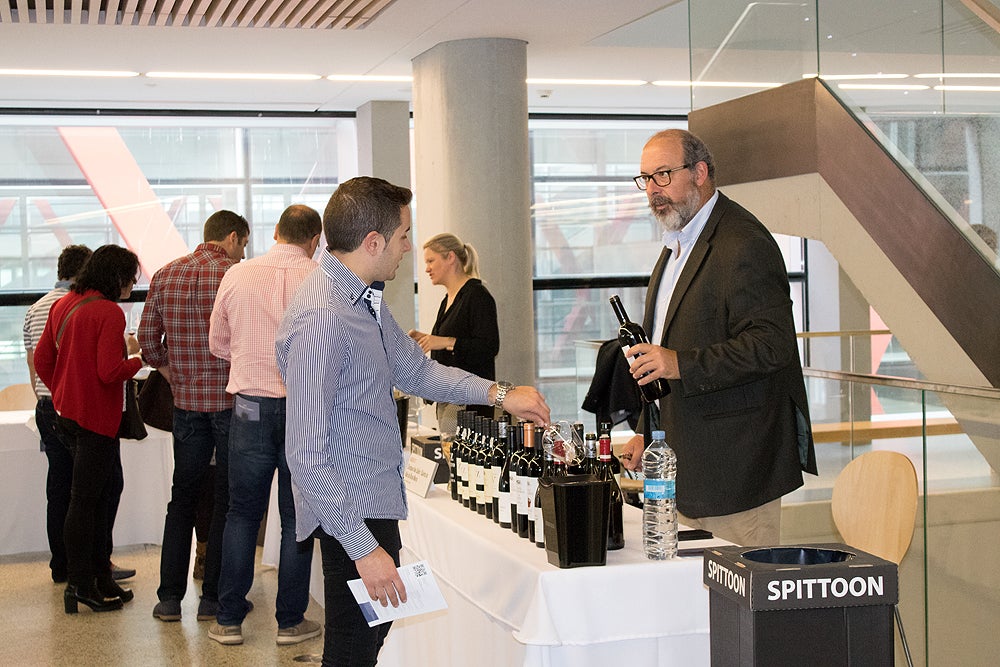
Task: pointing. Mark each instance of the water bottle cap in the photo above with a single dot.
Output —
(659, 435)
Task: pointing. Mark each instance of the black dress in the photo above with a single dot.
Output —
(472, 322)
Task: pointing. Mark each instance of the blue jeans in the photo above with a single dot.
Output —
(197, 435)
(256, 450)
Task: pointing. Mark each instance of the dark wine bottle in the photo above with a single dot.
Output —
(548, 470)
(483, 463)
(533, 474)
(501, 470)
(454, 456)
(604, 428)
(516, 436)
(523, 472)
(498, 457)
(629, 334)
(616, 533)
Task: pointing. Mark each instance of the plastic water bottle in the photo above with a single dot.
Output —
(659, 508)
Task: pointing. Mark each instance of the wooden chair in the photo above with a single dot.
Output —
(875, 508)
(17, 397)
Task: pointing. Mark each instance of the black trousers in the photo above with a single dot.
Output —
(96, 489)
(348, 641)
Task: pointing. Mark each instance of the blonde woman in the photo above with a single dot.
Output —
(465, 333)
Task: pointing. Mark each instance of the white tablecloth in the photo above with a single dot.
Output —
(509, 606)
(148, 466)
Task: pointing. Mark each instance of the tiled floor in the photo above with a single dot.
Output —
(37, 632)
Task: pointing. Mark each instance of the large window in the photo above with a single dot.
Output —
(140, 181)
(148, 184)
(594, 237)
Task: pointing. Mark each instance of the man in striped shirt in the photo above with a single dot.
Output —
(173, 334)
(341, 353)
(248, 308)
(60, 474)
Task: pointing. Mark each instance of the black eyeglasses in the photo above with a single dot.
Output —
(661, 178)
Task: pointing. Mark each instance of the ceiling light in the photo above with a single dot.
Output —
(370, 77)
(234, 76)
(969, 89)
(953, 75)
(586, 82)
(67, 72)
(717, 84)
(857, 77)
(879, 86)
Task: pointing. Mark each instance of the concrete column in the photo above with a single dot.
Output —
(470, 115)
(384, 151)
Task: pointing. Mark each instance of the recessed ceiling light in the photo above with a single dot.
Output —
(234, 76)
(717, 84)
(370, 77)
(586, 82)
(969, 89)
(879, 86)
(855, 77)
(958, 75)
(67, 72)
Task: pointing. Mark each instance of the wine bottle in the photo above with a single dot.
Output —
(588, 466)
(523, 468)
(516, 436)
(604, 428)
(501, 502)
(483, 468)
(533, 472)
(629, 334)
(455, 455)
(548, 470)
(616, 532)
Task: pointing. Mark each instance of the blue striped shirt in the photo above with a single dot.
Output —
(342, 437)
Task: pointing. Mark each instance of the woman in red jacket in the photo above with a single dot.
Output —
(82, 358)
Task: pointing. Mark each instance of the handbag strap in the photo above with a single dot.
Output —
(72, 310)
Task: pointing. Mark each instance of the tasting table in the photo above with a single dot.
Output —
(508, 606)
(147, 464)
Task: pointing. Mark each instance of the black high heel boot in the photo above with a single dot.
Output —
(109, 588)
(90, 596)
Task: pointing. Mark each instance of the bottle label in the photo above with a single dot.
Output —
(539, 527)
(490, 482)
(530, 489)
(504, 507)
(658, 489)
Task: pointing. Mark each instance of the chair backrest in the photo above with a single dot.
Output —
(875, 504)
(17, 397)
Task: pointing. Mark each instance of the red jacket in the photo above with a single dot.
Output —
(87, 373)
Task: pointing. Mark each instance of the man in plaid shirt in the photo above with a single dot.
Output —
(173, 334)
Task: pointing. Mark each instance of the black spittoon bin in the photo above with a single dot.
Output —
(816, 604)
(575, 510)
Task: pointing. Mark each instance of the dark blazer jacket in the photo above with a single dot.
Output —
(738, 418)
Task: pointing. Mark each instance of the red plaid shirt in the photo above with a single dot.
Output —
(174, 328)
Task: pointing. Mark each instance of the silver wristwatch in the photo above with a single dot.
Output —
(502, 388)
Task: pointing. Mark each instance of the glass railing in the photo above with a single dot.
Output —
(922, 75)
(863, 397)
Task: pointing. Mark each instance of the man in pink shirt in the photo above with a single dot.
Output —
(248, 308)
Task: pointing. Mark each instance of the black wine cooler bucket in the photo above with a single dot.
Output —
(575, 509)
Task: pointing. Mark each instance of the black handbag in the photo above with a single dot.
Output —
(156, 402)
(132, 427)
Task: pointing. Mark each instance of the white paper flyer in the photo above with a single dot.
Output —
(422, 595)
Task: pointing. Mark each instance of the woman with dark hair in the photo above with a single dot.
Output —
(82, 357)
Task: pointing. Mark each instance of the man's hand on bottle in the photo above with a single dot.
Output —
(379, 575)
(658, 362)
(527, 403)
(631, 456)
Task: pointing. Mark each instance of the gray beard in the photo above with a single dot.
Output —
(681, 213)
